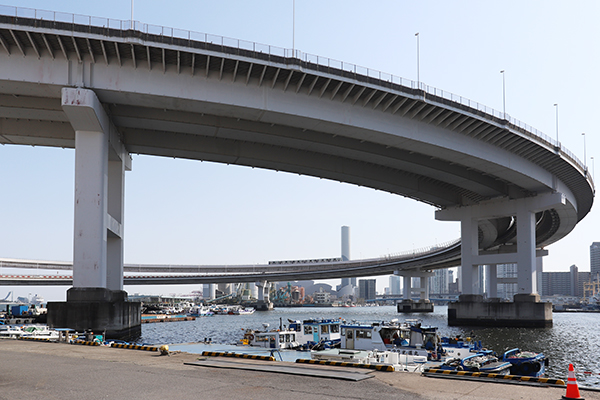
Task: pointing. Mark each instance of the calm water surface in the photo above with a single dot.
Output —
(574, 337)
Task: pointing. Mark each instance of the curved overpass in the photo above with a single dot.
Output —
(443, 256)
(187, 95)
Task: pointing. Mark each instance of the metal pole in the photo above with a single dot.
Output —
(593, 173)
(131, 14)
(503, 94)
(418, 77)
(294, 28)
(556, 105)
(584, 155)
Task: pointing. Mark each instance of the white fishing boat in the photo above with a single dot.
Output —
(244, 311)
(279, 339)
(10, 332)
(39, 332)
(317, 333)
(373, 357)
(407, 338)
(200, 311)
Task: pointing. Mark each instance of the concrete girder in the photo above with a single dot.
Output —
(17, 42)
(379, 100)
(347, 92)
(312, 84)
(358, 94)
(389, 103)
(33, 45)
(4, 45)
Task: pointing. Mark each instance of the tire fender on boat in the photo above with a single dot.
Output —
(251, 337)
(526, 368)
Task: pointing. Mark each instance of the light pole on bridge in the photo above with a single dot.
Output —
(584, 155)
(503, 94)
(556, 105)
(418, 77)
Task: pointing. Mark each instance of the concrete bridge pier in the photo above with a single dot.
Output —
(263, 303)
(97, 300)
(526, 310)
(408, 305)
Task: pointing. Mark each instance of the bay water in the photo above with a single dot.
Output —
(573, 338)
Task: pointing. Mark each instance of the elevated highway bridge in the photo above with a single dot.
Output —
(442, 256)
(109, 89)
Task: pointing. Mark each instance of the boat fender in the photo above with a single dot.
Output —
(537, 367)
(251, 337)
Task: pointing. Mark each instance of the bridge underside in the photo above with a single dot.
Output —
(108, 93)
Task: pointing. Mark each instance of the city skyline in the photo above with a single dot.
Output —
(188, 212)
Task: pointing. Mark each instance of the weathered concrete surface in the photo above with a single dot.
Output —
(53, 371)
(525, 311)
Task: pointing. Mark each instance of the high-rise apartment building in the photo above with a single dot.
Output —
(367, 289)
(395, 285)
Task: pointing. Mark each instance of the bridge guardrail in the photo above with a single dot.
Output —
(258, 48)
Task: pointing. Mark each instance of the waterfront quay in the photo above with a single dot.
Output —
(57, 370)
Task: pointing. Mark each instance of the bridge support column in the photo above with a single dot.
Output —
(97, 300)
(491, 281)
(263, 303)
(526, 309)
(408, 305)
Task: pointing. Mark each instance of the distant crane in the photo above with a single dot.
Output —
(9, 294)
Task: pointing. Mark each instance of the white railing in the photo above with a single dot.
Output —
(122, 25)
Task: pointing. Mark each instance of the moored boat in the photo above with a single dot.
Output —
(484, 361)
(317, 333)
(373, 357)
(279, 339)
(244, 311)
(526, 363)
(408, 338)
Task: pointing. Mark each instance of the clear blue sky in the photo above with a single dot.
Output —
(187, 212)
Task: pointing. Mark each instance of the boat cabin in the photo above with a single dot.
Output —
(317, 331)
(274, 339)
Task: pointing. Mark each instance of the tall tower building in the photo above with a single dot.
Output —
(367, 289)
(395, 284)
(595, 260)
(346, 254)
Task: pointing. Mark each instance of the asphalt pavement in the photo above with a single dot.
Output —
(64, 371)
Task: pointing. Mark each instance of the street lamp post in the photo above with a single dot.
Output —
(593, 173)
(418, 77)
(556, 105)
(293, 28)
(503, 94)
(584, 155)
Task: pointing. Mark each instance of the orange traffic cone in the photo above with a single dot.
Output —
(572, 388)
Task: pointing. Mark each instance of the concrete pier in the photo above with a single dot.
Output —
(411, 306)
(101, 310)
(525, 311)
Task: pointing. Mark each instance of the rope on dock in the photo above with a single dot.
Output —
(532, 379)
(386, 368)
(250, 356)
(134, 347)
